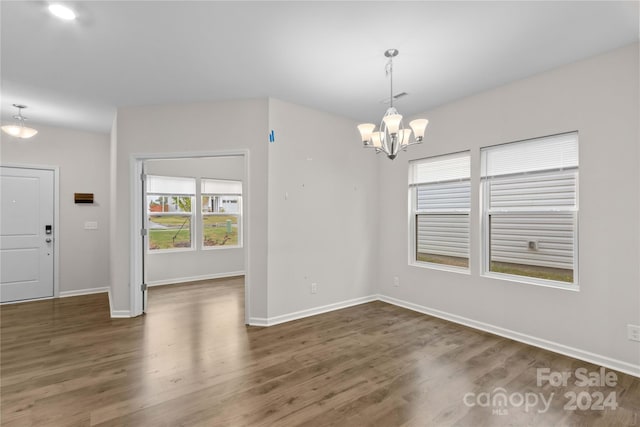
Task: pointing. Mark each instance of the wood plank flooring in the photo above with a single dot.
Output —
(191, 362)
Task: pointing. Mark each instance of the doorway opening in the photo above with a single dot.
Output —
(189, 222)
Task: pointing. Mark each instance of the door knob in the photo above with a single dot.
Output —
(48, 240)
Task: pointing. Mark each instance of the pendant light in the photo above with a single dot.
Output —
(392, 135)
(19, 130)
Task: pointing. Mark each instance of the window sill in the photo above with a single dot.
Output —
(441, 267)
(169, 251)
(533, 281)
(220, 247)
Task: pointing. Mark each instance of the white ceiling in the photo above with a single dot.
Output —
(326, 55)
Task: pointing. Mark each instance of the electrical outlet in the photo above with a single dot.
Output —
(396, 281)
(633, 332)
(314, 288)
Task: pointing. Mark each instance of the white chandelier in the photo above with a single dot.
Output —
(392, 136)
(19, 130)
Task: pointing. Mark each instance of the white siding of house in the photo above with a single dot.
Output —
(443, 234)
(442, 224)
(552, 227)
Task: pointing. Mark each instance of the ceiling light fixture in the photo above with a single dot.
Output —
(19, 130)
(392, 136)
(62, 12)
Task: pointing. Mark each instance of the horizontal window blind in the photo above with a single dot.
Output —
(444, 196)
(452, 167)
(540, 154)
(220, 186)
(170, 185)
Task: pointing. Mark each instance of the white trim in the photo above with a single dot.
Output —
(619, 365)
(75, 293)
(120, 314)
(175, 281)
(258, 321)
(270, 321)
(527, 280)
(117, 314)
(441, 267)
(25, 300)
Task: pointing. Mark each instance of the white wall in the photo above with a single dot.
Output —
(194, 129)
(83, 161)
(597, 97)
(322, 211)
(308, 239)
(175, 267)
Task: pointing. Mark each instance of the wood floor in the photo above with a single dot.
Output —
(191, 361)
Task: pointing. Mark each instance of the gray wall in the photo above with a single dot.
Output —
(322, 210)
(83, 161)
(176, 267)
(309, 240)
(193, 129)
(597, 97)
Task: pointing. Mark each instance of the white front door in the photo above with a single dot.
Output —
(26, 233)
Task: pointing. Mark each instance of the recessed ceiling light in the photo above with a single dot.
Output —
(62, 12)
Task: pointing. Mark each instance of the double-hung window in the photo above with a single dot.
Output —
(530, 210)
(170, 212)
(221, 213)
(440, 200)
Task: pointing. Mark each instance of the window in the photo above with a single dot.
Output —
(170, 212)
(530, 207)
(440, 199)
(221, 213)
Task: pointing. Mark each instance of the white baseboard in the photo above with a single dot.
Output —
(260, 321)
(20, 301)
(75, 293)
(618, 365)
(117, 313)
(194, 278)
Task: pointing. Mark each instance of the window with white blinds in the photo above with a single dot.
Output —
(530, 207)
(440, 193)
(170, 212)
(170, 185)
(221, 202)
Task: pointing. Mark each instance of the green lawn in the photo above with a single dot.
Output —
(171, 237)
(164, 239)
(442, 259)
(548, 273)
(215, 230)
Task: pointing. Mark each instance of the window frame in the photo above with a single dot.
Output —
(414, 213)
(485, 222)
(192, 223)
(202, 215)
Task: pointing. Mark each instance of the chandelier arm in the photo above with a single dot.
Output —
(384, 140)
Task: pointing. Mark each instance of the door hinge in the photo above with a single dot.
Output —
(143, 176)
(143, 232)
(143, 287)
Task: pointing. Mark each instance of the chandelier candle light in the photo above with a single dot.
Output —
(392, 135)
(19, 130)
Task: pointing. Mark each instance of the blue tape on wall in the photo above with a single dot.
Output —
(272, 136)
